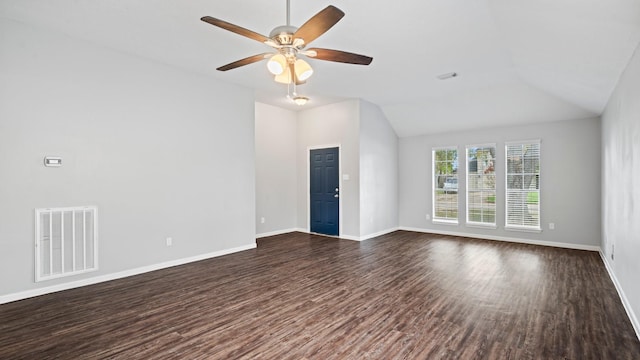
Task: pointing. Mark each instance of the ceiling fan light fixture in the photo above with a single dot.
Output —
(300, 100)
(284, 77)
(277, 64)
(303, 70)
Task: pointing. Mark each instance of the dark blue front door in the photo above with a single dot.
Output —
(325, 194)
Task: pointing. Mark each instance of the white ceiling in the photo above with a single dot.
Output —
(518, 61)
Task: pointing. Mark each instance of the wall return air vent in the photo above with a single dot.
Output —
(66, 241)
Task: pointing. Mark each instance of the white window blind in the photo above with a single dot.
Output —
(481, 185)
(523, 185)
(445, 184)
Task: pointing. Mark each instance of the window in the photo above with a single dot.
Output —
(445, 185)
(523, 185)
(481, 185)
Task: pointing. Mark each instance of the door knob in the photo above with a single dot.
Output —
(336, 195)
(337, 189)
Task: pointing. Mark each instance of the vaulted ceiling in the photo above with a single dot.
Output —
(518, 61)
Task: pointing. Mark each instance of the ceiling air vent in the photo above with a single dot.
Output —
(447, 76)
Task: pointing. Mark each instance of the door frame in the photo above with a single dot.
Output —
(308, 171)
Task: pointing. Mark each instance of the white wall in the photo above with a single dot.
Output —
(335, 124)
(276, 169)
(570, 181)
(621, 186)
(378, 172)
(160, 151)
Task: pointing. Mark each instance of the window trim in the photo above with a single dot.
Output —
(529, 229)
(522, 228)
(445, 222)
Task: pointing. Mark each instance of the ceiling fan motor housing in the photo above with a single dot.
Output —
(283, 34)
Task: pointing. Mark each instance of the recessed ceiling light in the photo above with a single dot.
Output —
(447, 76)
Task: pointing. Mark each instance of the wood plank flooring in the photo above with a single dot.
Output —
(297, 296)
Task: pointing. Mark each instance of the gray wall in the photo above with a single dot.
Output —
(368, 144)
(378, 172)
(620, 185)
(276, 169)
(160, 151)
(335, 124)
(570, 180)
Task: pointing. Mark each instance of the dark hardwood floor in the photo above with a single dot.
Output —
(297, 296)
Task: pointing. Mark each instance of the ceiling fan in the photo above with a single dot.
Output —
(290, 42)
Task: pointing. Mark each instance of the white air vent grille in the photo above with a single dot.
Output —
(66, 241)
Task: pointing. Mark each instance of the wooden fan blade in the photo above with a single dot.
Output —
(319, 24)
(235, 28)
(340, 56)
(245, 61)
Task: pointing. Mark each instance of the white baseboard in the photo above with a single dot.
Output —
(350, 237)
(353, 237)
(367, 237)
(277, 232)
(379, 233)
(118, 275)
(306, 231)
(504, 238)
(625, 302)
(343, 237)
(346, 237)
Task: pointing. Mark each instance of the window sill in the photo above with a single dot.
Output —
(523, 229)
(444, 222)
(481, 225)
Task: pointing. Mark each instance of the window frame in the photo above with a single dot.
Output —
(481, 224)
(434, 218)
(517, 227)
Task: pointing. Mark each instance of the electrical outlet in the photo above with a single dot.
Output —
(262, 220)
(552, 226)
(169, 241)
(427, 216)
